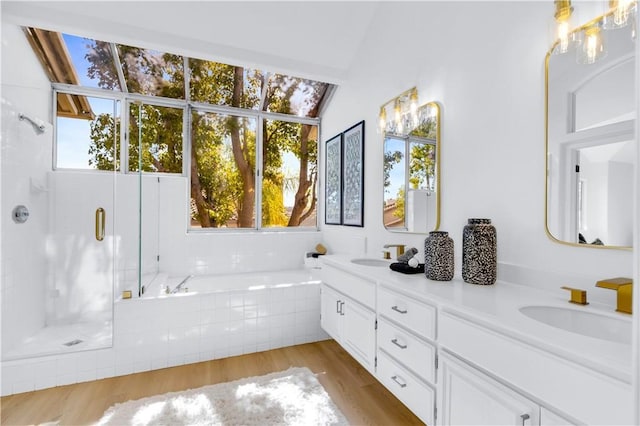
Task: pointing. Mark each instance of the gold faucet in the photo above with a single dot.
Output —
(624, 288)
(399, 248)
(579, 297)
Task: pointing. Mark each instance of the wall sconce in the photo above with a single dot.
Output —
(589, 38)
(404, 117)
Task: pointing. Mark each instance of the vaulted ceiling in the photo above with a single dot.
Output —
(316, 40)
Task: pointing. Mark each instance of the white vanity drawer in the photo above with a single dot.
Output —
(415, 316)
(416, 354)
(355, 287)
(417, 396)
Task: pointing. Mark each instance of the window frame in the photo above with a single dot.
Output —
(188, 107)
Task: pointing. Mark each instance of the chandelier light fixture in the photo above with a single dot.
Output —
(588, 41)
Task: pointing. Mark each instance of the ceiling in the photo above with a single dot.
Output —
(317, 40)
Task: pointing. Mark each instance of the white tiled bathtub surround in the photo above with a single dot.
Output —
(165, 331)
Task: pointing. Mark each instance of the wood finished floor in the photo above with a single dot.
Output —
(362, 399)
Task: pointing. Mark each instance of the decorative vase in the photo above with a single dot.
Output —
(479, 252)
(438, 256)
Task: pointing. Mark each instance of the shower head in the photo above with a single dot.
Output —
(37, 124)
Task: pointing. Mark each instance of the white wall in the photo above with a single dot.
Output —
(487, 71)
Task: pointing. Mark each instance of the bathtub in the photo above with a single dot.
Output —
(216, 316)
(164, 286)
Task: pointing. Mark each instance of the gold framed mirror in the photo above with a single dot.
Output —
(590, 99)
(411, 165)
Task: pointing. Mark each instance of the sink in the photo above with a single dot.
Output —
(370, 262)
(582, 322)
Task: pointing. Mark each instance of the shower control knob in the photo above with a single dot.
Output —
(20, 214)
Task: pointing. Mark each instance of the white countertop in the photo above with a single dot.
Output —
(497, 307)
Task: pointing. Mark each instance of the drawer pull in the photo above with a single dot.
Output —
(524, 418)
(402, 385)
(337, 306)
(395, 342)
(342, 308)
(395, 308)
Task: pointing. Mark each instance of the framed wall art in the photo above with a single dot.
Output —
(333, 181)
(353, 175)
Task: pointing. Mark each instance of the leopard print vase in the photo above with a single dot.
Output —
(479, 252)
(438, 256)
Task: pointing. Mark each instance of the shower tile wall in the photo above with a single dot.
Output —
(177, 330)
(183, 253)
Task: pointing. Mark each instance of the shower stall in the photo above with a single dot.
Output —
(71, 229)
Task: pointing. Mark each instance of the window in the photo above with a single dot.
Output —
(215, 83)
(156, 131)
(290, 164)
(246, 139)
(223, 160)
(89, 140)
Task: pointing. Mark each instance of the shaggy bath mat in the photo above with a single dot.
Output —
(291, 397)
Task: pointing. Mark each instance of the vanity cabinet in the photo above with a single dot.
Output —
(343, 316)
(406, 351)
(466, 396)
(565, 386)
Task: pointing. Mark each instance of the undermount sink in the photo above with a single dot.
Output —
(370, 262)
(581, 322)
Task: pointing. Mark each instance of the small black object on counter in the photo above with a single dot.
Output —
(406, 269)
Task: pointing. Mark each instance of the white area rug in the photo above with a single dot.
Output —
(291, 397)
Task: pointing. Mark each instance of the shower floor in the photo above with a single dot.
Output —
(53, 340)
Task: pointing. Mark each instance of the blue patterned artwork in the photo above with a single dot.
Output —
(353, 175)
(333, 186)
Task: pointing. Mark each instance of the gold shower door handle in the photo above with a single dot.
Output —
(101, 218)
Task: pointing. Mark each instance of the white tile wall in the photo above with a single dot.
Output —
(181, 329)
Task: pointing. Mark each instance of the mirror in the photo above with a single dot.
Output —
(590, 143)
(411, 167)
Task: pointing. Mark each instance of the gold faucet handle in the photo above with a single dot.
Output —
(614, 283)
(624, 290)
(578, 296)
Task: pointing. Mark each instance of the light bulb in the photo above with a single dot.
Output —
(563, 36)
(621, 11)
(413, 107)
(592, 47)
(414, 102)
(397, 115)
(382, 119)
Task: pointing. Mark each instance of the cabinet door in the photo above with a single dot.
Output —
(467, 396)
(332, 307)
(359, 334)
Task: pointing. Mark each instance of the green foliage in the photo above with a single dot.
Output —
(400, 203)
(391, 158)
(105, 134)
(223, 153)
